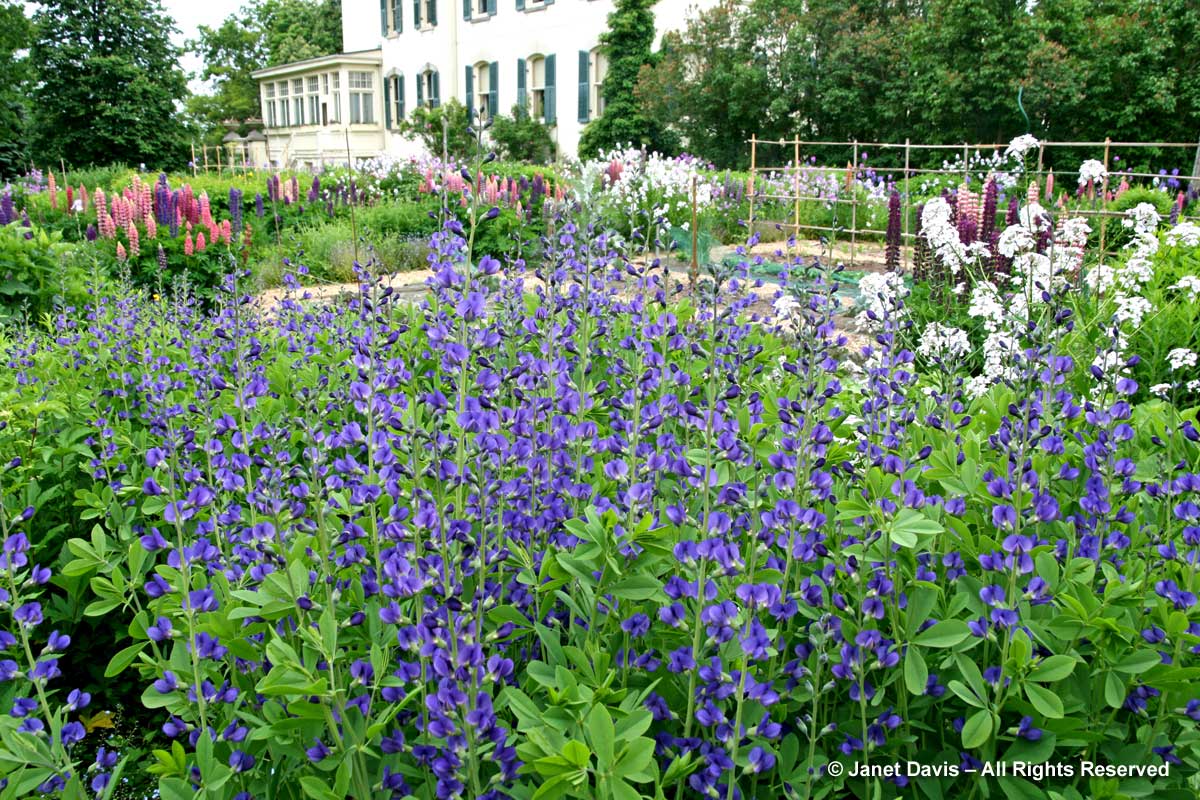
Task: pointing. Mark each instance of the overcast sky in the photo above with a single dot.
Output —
(189, 16)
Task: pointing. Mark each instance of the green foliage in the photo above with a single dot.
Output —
(522, 138)
(37, 271)
(936, 71)
(442, 128)
(627, 44)
(15, 32)
(108, 84)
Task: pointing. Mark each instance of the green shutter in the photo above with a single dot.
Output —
(520, 5)
(383, 28)
(491, 7)
(397, 16)
(585, 92)
(435, 89)
(416, 14)
(551, 94)
(432, 13)
(521, 100)
(470, 93)
(494, 89)
(466, 9)
(420, 89)
(400, 98)
(387, 103)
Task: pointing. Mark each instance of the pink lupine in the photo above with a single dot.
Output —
(134, 245)
(83, 197)
(1050, 184)
(151, 227)
(101, 204)
(70, 199)
(52, 189)
(1033, 193)
(120, 252)
(201, 242)
(188, 247)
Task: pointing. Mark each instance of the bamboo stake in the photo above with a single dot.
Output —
(350, 166)
(906, 204)
(219, 160)
(1103, 197)
(694, 272)
(753, 169)
(854, 208)
(796, 185)
(193, 159)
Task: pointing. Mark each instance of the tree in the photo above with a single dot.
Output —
(627, 44)
(264, 33)
(109, 85)
(15, 32)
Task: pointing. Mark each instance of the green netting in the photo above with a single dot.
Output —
(682, 238)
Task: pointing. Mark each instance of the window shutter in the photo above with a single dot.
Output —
(416, 14)
(387, 103)
(420, 88)
(585, 92)
(551, 94)
(470, 93)
(383, 28)
(466, 9)
(521, 101)
(491, 7)
(493, 89)
(548, 2)
(435, 90)
(400, 97)
(397, 16)
(520, 5)
(432, 15)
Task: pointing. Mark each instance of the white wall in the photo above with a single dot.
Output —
(563, 28)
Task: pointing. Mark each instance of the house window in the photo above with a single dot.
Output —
(478, 9)
(523, 5)
(298, 101)
(362, 99)
(269, 91)
(599, 71)
(313, 85)
(428, 89)
(542, 97)
(285, 113)
(337, 97)
(424, 13)
(325, 83)
(396, 84)
(482, 85)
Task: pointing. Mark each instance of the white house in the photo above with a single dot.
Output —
(490, 54)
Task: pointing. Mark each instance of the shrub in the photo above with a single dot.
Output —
(523, 138)
(37, 271)
(442, 129)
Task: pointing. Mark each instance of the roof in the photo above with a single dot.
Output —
(357, 57)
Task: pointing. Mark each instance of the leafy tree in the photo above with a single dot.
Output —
(108, 84)
(627, 43)
(264, 33)
(445, 127)
(522, 137)
(15, 32)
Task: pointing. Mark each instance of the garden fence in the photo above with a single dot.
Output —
(858, 227)
(208, 158)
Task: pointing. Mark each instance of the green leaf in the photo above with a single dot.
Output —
(636, 587)
(577, 754)
(601, 734)
(121, 661)
(978, 729)
(1138, 662)
(316, 788)
(946, 633)
(916, 673)
(1019, 789)
(1114, 690)
(1045, 701)
(1052, 669)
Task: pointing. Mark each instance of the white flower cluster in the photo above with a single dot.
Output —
(633, 181)
(1181, 358)
(879, 292)
(1189, 284)
(1186, 233)
(1143, 218)
(940, 232)
(1021, 145)
(943, 342)
(1092, 170)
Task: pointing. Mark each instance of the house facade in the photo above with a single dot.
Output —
(491, 55)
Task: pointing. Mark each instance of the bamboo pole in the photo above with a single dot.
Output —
(1103, 197)
(854, 208)
(796, 185)
(753, 169)
(1194, 183)
(906, 203)
(219, 159)
(204, 152)
(193, 159)
(694, 272)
